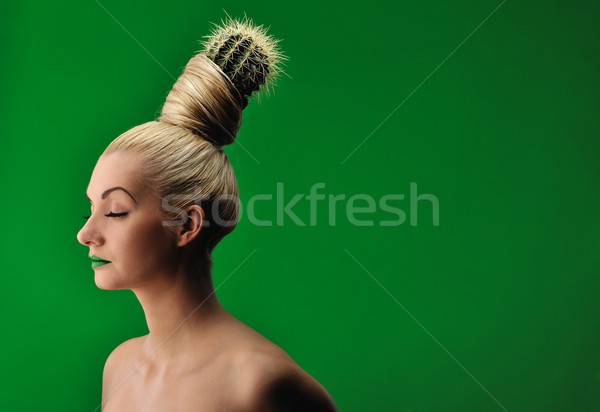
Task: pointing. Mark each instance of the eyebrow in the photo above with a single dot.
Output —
(109, 191)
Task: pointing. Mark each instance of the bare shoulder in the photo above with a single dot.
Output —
(115, 364)
(269, 380)
(122, 353)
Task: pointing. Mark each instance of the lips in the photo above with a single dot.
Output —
(97, 261)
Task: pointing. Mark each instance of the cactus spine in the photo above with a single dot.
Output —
(246, 54)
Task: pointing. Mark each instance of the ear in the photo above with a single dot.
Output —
(191, 229)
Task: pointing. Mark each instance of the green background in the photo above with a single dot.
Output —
(497, 308)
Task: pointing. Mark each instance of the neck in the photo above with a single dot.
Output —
(180, 311)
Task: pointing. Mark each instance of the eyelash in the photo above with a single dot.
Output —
(109, 214)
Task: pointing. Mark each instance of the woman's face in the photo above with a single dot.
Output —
(125, 227)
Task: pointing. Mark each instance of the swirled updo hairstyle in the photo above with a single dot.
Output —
(181, 153)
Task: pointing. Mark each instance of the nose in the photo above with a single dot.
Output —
(89, 234)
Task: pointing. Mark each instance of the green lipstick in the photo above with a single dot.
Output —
(96, 261)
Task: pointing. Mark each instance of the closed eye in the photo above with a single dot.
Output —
(109, 214)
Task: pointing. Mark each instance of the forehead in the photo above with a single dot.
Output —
(115, 169)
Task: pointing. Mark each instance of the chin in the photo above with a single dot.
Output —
(101, 284)
(104, 280)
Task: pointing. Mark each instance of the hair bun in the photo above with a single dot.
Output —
(208, 97)
(246, 54)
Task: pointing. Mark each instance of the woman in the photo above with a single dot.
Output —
(163, 194)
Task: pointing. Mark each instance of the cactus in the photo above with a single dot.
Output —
(246, 54)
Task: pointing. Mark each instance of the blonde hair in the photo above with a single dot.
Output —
(181, 153)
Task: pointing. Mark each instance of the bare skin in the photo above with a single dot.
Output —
(196, 356)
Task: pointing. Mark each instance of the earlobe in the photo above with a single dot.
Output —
(191, 229)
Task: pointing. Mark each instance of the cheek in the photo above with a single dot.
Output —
(141, 248)
(147, 243)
